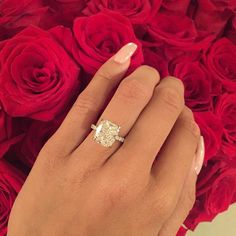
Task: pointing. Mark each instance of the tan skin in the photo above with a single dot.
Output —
(78, 187)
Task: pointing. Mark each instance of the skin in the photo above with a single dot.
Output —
(143, 187)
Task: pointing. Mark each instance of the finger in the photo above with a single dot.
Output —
(187, 197)
(153, 126)
(184, 205)
(173, 163)
(91, 101)
(132, 95)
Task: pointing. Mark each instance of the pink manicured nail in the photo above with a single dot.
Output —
(125, 53)
(200, 155)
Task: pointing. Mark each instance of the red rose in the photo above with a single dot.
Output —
(10, 132)
(137, 11)
(212, 130)
(182, 231)
(62, 12)
(208, 173)
(212, 15)
(197, 215)
(216, 187)
(174, 29)
(11, 181)
(197, 81)
(14, 14)
(175, 34)
(175, 6)
(221, 61)
(222, 191)
(100, 36)
(217, 5)
(226, 110)
(3, 33)
(38, 77)
(30, 146)
(156, 59)
(33, 142)
(216, 190)
(231, 31)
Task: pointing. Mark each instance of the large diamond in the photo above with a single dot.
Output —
(105, 133)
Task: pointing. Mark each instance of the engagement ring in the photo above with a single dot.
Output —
(106, 133)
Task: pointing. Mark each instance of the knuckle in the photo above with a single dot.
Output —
(191, 127)
(115, 194)
(48, 150)
(171, 97)
(164, 205)
(177, 83)
(85, 102)
(104, 73)
(84, 173)
(133, 90)
(48, 160)
(150, 71)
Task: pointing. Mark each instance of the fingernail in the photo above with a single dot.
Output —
(200, 155)
(125, 53)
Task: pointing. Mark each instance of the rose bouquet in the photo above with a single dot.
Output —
(50, 49)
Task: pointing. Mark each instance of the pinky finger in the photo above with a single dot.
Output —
(184, 205)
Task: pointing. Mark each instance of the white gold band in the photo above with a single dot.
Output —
(94, 127)
(120, 139)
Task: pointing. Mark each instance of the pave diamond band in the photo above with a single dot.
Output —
(120, 139)
(106, 133)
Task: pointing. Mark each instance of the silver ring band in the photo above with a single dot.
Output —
(94, 127)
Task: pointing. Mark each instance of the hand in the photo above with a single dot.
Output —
(145, 186)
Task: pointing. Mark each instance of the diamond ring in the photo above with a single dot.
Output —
(106, 133)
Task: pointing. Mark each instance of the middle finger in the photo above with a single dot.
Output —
(154, 125)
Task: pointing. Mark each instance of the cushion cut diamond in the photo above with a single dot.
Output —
(106, 132)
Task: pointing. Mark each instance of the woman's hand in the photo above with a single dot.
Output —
(145, 186)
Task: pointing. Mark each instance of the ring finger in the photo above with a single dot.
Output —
(91, 102)
(187, 196)
(183, 207)
(132, 95)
